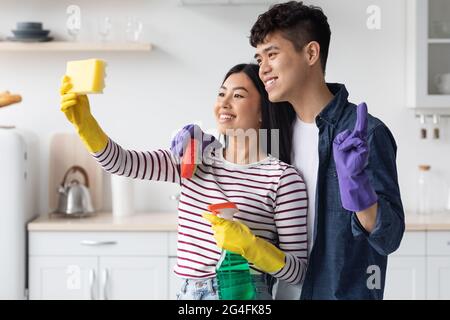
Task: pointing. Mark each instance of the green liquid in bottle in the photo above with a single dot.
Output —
(233, 272)
(234, 279)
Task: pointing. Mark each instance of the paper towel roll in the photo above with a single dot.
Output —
(122, 196)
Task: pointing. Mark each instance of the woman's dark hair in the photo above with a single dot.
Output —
(278, 115)
(298, 23)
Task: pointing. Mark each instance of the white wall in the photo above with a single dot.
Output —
(150, 95)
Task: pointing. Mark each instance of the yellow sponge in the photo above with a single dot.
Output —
(86, 76)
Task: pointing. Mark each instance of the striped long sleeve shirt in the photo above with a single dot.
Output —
(270, 195)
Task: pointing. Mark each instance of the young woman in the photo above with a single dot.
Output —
(270, 228)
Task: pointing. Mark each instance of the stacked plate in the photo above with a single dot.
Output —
(30, 32)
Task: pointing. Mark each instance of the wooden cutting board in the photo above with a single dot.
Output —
(67, 150)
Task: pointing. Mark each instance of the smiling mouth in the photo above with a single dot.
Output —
(269, 84)
(226, 117)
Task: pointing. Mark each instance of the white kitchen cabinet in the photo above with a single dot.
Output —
(438, 264)
(438, 279)
(174, 280)
(406, 278)
(62, 277)
(427, 52)
(406, 269)
(202, 2)
(225, 2)
(420, 268)
(136, 278)
(98, 265)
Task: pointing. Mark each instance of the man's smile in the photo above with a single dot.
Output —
(269, 83)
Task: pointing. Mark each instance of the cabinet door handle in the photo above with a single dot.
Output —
(91, 283)
(105, 283)
(97, 243)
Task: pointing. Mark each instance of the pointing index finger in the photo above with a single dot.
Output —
(361, 119)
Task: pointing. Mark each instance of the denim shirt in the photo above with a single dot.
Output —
(347, 262)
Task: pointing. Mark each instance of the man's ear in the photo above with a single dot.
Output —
(312, 52)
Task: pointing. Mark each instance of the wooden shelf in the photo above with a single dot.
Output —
(74, 46)
(438, 40)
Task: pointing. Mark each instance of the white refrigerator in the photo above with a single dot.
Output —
(17, 207)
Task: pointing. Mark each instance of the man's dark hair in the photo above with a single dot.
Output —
(298, 23)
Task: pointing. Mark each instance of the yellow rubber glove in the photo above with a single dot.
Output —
(77, 110)
(236, 237)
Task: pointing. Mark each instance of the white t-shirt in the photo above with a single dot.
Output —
(305, 158)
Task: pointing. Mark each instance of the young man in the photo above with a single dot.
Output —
(347, 158)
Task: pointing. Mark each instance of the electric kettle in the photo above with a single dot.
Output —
(74, 197)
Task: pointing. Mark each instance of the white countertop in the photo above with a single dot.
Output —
(104, 221)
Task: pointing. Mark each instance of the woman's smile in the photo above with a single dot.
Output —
(226, 117)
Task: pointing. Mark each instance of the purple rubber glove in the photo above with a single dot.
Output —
(351, 153)
(182, 138)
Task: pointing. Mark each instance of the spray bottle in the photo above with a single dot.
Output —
(233, 272)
